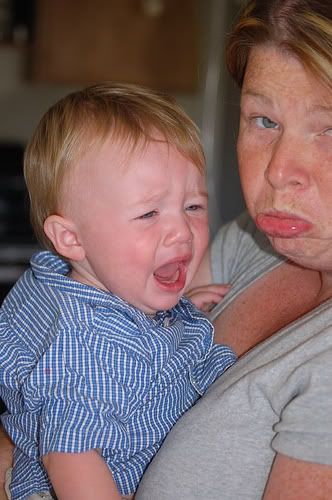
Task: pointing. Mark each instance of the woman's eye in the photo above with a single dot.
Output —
(265, 122)
(328, 131)
(148, 215)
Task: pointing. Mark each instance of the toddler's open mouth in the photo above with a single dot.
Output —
(172, 276)
(169, 273)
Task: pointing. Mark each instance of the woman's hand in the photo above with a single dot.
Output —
(205, 297)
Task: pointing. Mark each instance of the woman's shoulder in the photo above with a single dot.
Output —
(241, 234)
(239, 245)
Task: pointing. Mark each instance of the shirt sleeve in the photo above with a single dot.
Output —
(218, 360)
(15, 363)
(304, 431)
(85, 393)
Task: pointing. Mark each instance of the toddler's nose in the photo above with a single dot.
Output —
(178, 231)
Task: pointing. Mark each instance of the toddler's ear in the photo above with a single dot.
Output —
(64, 236)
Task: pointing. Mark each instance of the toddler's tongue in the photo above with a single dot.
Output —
(168, 272)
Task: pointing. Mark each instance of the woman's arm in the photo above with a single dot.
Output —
(291, 478)
(83, 476)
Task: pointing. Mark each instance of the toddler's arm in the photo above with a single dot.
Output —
(6, 459)
(80, 475)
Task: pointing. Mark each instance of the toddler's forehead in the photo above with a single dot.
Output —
(114, 154)
(109, 152)
(126, 147)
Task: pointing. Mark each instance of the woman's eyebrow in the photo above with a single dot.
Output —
(256, 95)
(320, 108)
(312, 108)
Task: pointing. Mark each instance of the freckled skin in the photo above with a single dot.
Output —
(285, 158)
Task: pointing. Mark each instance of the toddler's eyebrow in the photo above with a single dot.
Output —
(204, 194)
(150, 198)
(154, 197)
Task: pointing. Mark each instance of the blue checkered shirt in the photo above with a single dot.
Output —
(81, 369)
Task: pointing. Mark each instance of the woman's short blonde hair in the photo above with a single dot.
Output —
(301, 27)
(127, 113)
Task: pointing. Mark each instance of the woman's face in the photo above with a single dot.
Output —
(285, 156)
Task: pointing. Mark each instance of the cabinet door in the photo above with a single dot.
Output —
(151, 42)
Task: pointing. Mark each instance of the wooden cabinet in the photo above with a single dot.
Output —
(151, 42)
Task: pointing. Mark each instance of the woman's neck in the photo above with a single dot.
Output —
(325, 291)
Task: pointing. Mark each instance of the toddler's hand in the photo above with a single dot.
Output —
(207, 296)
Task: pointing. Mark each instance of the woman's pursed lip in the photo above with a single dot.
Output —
(282, 224)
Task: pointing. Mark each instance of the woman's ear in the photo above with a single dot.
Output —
(64, 236)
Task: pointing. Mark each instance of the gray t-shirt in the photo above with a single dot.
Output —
(276, 398)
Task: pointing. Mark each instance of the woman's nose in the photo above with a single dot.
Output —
(288, 165)
(178, 230)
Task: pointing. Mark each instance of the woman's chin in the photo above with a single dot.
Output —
(305, 254)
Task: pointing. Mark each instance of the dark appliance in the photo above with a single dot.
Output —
(17, 242)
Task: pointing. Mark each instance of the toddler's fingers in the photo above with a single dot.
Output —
(205, 300)
(209, 290)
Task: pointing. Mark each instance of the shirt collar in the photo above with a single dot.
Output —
(49, 269)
